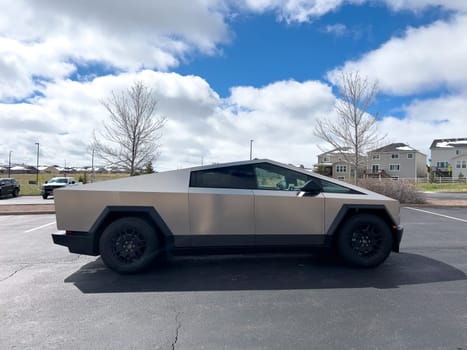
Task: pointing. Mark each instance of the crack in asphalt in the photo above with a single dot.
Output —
(177, 329)
(27, 265)
(67, 261)
(15, 272)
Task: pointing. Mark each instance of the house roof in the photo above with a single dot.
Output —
(395, 147)
(449, 143)
(343, 150)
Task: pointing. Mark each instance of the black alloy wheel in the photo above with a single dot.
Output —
(364, 240)
(129, 245)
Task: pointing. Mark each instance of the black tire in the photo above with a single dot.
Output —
(44, 196)
(15, 192)
(129, 245)
(364, 240)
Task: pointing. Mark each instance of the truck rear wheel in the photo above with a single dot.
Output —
(129, 245)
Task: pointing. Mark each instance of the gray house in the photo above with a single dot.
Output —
(398, 161)
(449, 157)
(334, 164)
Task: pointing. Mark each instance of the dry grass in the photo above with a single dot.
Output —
(29, 189)
(443, 187)
(404, 192)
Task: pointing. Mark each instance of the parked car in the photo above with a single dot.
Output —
(9, 186)
(242, 205)
(56, 182)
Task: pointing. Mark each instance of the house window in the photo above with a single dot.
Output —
(458, 152)
(464, 164)
(375, 157)
(409, 155)
(326, 159)
(375, 168)
(441, 164)
(341, 168)
(395, 156)
(394, 167)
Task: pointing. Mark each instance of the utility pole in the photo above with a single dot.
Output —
(37, 164)
(9, 164)
(92, 165)
(251, 149)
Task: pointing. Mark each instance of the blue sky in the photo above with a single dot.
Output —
(227, 71)
(263, 50)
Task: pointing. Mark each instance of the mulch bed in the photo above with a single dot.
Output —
(27, 209)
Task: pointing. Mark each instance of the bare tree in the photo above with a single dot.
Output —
(355, 131)
(131, 136)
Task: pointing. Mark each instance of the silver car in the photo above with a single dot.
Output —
(235, 206)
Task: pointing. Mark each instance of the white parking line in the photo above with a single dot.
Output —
(437, 214)
(39, 227)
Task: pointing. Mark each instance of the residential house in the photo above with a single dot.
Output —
(334, 164)
(398, 161)
(449, 157)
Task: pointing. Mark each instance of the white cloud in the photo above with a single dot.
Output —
(337, 29)
(294, 10)
(417, 5)
(308, 10)
(426, 120)
(279, 117)
(423, 59)
(47, 39)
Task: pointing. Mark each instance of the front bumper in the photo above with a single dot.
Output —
(398, 233)
(77, 242)
(49, 190)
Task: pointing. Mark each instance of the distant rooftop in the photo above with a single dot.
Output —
(395, 147)
(449, 143)
(343, 150)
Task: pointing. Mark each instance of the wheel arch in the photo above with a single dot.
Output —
(349, 210)
(149, 214)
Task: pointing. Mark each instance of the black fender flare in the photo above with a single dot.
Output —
(111, 213)
(353, 209)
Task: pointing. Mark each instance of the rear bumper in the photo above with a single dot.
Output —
(398, 233)
(77, 242)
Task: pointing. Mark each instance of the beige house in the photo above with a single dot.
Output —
(334, 164)
(398, 161)
(449, 157)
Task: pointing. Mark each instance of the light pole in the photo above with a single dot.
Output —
(37, 164)
(92, 165)
(9, 164)
(251, 149)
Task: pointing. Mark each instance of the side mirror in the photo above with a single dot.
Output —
(45, 181)
(312, 188)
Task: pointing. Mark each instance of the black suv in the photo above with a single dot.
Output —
(9, 186)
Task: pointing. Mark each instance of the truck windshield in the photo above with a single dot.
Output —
(56, 180)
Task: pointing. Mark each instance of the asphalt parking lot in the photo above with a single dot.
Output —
(50, 299)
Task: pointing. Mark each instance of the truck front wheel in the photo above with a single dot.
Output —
(364, 240)
(129, 245)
